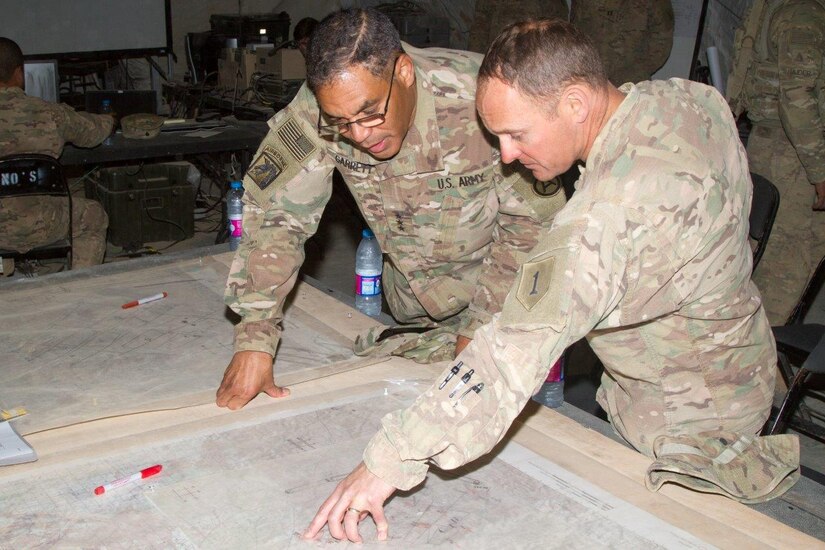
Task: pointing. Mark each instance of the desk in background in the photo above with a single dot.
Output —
(241, 137)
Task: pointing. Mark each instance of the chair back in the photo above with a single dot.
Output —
(804, 304)
(764, 206)
(29, 175)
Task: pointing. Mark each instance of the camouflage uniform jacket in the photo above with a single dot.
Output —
(649, 259)
(452, 223)
(31, 125)
(785, 86)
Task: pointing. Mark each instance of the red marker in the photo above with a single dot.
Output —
(150, 471)
(146, 300)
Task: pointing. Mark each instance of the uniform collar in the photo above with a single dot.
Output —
(614, 124)
(421, 151)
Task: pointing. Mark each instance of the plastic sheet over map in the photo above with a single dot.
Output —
(257, 484)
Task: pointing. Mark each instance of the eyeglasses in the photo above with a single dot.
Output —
(369, 121)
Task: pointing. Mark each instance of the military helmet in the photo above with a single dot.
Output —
(141, 126)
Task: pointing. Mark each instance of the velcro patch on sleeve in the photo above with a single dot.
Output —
(543, 290)
(802, 37)
(544, 197)
(535, 282)
(295, 139)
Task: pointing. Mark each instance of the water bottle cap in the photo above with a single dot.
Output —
(236, 185)
(367, 234)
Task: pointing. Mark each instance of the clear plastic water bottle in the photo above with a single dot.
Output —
(106, 109)
(368, 265)
(234, 213)
(551, 393)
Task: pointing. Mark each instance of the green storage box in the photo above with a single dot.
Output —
(145, 203)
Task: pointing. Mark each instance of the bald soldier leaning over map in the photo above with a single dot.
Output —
(401, 126)
(649, 260)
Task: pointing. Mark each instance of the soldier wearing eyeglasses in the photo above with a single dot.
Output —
(400, 125)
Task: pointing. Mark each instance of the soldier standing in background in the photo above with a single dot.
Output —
(400, 125)
(778, 77)
(634, 37)
(31, 125)
(493, 15)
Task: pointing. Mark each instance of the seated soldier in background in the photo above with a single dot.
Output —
(31, 125)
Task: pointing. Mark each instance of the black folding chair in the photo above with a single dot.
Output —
(801, 350)
(32, 175)
(764, 206)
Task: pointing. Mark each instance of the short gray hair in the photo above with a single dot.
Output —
(351, 37)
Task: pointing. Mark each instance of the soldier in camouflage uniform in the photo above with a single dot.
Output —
(31, 125)
(783, 90)
(401, 126)
(650, 260)
(491, 16)
(634, 37)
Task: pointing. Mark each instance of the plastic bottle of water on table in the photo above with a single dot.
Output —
(234, 213)
(368, 266)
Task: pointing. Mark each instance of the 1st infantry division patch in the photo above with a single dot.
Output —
(535, 282)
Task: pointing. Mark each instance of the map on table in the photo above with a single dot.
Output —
(258, 482)
(70, 353)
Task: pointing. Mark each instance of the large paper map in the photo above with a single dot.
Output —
(257, 484)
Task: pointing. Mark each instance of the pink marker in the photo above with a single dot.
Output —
(135, 303)
(150, 471)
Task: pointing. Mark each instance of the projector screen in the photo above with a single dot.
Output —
(87, 28)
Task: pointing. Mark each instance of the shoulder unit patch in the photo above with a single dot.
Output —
(267, 167)
(535, 282)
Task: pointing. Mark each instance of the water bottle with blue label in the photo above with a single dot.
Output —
(368, 266)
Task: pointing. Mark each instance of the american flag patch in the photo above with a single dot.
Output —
(295, 140)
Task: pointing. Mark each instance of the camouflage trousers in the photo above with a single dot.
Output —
(746, 468)
(436, 344)
(28, 222)
(797, 240)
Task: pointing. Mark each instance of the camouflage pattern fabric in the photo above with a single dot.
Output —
(491, 16)
(436, 344)
(454, 225)
(27, 222)
(633, 37)
(784, 93)
(31, 125)
(650, 260)
(721, 462)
